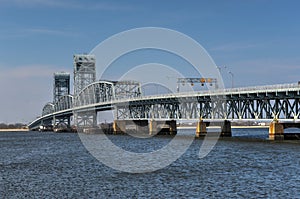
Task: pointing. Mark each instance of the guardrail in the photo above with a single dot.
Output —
(265, 88)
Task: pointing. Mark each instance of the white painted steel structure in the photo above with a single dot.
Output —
(261, 103)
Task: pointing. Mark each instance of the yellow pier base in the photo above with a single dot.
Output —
(201, 129)
(119, 127)
(159, 127)
(153, 127)
(276, 131)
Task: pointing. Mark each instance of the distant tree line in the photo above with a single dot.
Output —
(13, 126)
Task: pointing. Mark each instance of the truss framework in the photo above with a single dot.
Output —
(284, 105)
(61, 85)
(84, 71)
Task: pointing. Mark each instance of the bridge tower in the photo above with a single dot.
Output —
(84, 74)
(84, 71)
(61, 87)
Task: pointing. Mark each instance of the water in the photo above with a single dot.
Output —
(48, 165)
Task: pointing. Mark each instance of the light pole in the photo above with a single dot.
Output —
(232, 81)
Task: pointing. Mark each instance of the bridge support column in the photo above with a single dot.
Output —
(201, 128)
(168, 127)
(119, 127)
(226, 129)
(276, 131)
(172, 127)
(153, 127)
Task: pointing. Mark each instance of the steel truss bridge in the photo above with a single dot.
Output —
(261, 103)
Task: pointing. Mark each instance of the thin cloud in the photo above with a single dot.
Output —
(48, 31)
(67, 4)
(21, 33)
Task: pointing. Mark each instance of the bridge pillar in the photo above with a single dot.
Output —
(153, 127)
(172, 127)
(201, 128)
(119, 127)
(226, 129)
(276, 131)
(167, 127)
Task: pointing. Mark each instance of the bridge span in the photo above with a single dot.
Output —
(278, 103)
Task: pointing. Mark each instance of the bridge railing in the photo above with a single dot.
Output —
(264, 88)
(275, 87)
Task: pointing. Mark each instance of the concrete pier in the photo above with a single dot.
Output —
(167, 127)
(276, 131)
(119, 127)
(172, 127)
(226, 129)
(153, 130)
(152, 127)
(201, 128)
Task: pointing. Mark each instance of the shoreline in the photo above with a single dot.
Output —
(14, 130)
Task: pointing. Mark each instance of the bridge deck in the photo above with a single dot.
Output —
(243, 103)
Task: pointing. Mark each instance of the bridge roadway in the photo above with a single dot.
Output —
(260, 103)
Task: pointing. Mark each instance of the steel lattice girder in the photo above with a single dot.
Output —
(63, 103)
(97, 92)
(84, 71)
(284, 105)
(61, 85)
(127, 89)
(48, 109)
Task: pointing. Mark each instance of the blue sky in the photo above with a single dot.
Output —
(258, 41)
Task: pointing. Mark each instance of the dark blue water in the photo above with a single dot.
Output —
(48, 165)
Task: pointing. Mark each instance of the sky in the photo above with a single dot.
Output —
(258, 41)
